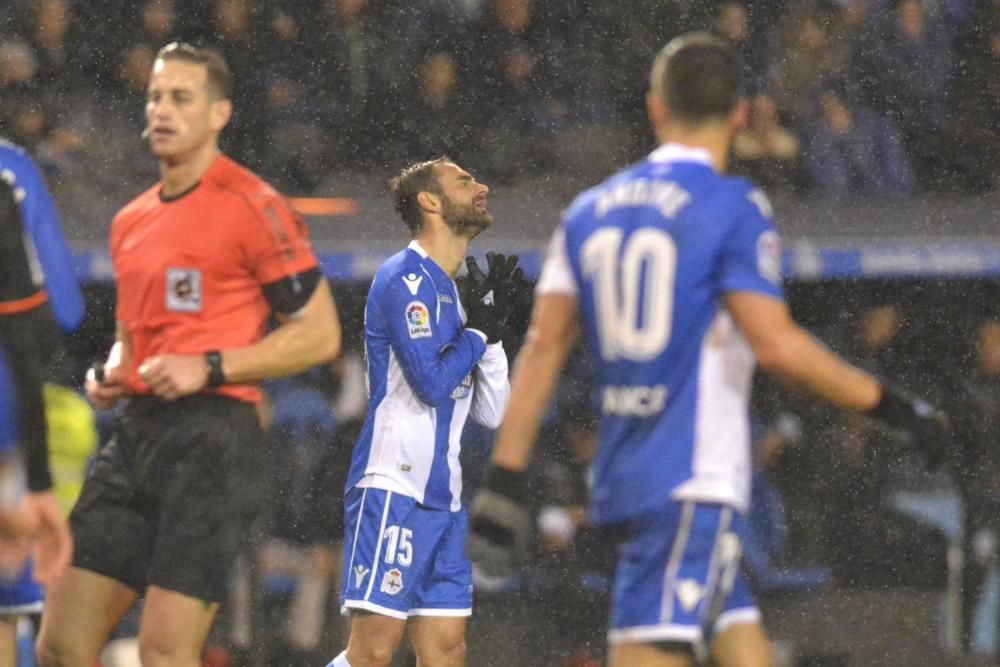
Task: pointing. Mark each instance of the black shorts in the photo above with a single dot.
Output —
(172, 495)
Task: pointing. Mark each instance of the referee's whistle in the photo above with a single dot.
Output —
(98, 369)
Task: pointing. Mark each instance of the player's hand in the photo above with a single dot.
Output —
(513, 296)
(476, 294)
(499, 524)
(925, 425)
(52, 538)
(171, 376)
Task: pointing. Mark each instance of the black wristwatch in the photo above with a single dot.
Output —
(216, 378)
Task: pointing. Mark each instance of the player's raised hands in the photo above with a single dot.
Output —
(504, 288)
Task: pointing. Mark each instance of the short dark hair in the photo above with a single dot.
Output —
(220, 81)
(698, 77)
(417, 178)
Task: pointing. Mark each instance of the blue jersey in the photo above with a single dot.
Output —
(49, 254)
(649, 254)
(426, 373)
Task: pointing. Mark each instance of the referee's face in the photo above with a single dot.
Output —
(183, 118)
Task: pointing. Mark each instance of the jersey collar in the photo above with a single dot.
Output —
(417, 248)
(681, 153)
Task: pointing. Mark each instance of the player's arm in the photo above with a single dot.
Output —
(751, 282)
(53, 254)
(26, 330)
(551, 335)
(433, 366)
(784, 348)
(492, 387)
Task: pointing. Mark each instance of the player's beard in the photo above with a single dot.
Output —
(463, 219)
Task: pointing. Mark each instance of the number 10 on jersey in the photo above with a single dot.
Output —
(633, 290)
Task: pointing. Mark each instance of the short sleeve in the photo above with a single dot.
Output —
(751, 254)
(277, 243)
(557, 275)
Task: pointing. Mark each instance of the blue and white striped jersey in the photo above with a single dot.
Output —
(426, 375)
(649, 255)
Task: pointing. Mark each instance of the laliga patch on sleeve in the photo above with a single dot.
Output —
(418, 320)
(769, 256)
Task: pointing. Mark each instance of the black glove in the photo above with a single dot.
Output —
(477, 297)
(499, 524)
(926, 426)
(512, 294)
(485, 297)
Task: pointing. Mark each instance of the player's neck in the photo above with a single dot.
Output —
(711, 139)
(179, 176)
(446, 249)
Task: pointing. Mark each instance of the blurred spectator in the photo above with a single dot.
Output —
(805, 56)
(439, 121)
(358, 109)
(869, 545)
(50, 40)
(158, 22)
(509, 84)
(977, 430)
(974, 124)
(764, 150)
(912, 70)
(732, 24)
(853, 151)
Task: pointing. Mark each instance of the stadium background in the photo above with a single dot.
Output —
(875, 130)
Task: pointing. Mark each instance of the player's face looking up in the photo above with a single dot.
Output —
(183, 116)
(463, 201)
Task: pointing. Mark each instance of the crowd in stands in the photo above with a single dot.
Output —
(858, 97)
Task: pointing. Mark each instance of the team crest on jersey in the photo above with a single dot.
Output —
(392, 581)
(462, 390)
(769, 256)
(418, 320)
(184, 290)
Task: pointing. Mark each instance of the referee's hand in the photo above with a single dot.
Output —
(172, 376)
(104, 388)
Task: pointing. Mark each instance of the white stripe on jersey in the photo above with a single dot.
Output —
(720, 461)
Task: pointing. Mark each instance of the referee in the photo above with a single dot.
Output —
(201, 260)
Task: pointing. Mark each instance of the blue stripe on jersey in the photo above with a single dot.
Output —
(653, 251)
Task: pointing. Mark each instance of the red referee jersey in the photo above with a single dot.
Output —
(190, 270)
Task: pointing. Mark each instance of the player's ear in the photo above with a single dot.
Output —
(656, 110)
(740, 116)
(428, 201)
(221, 112)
